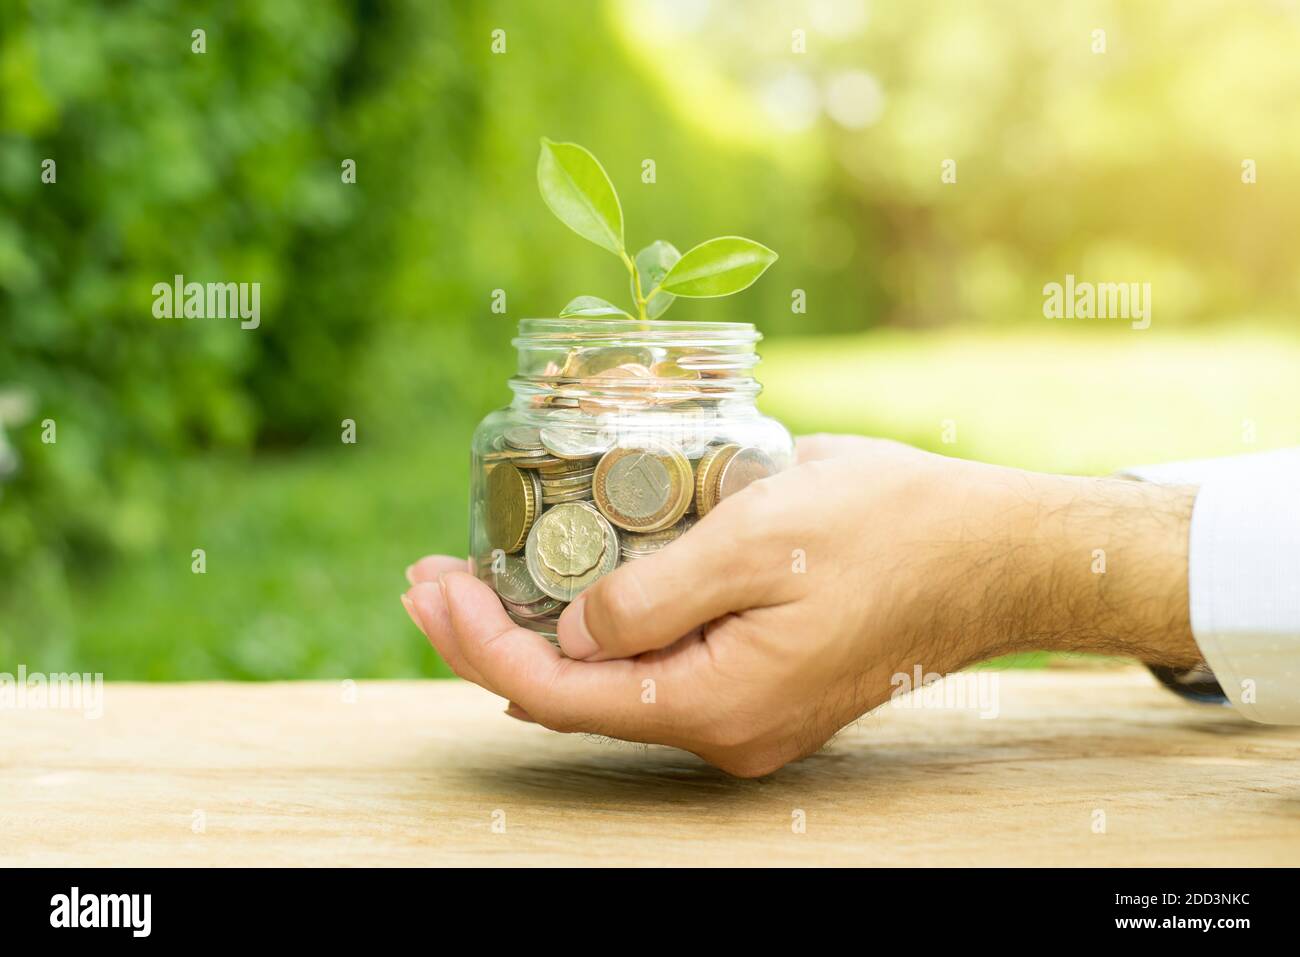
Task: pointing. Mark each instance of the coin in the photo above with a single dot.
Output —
(523, 456)
(706, 476)
(670, 369)
(642, 544)
(544, 607)
(583, 363)
(567, 468)
(575, 480)
(514, 499)
(620, 443)
(605, 393)
(513, 583)
(558, 498)
(576, 443)
(523, 437)
(748, 465)
(643, 489)
(542, 461)
(562, 542)
(571, 542)
(693, 428)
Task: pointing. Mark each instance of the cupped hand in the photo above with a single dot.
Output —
(784, 614)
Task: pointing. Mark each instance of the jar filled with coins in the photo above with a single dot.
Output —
(622, 435)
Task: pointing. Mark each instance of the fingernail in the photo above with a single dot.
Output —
(410, 610)
(577, 641)
(410, 573)
(519, 714)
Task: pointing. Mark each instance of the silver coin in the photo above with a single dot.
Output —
(641, 544)
(513, 583)
(525, 457)
(523, 437)
(639, 485)
(545, 607)
(568, 442)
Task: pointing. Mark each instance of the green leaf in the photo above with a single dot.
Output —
(652, 264)
(591, 306)
(718, 267)
(575, 187)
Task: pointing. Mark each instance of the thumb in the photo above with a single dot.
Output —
(651, 602)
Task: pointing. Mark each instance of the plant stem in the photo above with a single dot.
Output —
(636, 285)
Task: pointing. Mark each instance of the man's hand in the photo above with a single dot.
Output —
(784, 614)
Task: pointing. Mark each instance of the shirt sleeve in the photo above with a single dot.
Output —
(1244, 575)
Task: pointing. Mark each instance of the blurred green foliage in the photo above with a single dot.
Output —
(1122, 165)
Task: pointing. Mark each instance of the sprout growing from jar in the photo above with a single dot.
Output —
(578, 191)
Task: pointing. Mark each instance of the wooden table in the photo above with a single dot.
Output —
(418, 773)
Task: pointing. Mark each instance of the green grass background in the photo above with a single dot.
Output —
(924, 302)
(305, 553)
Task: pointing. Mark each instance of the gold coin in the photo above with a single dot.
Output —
(707, 474)
(542, 461)
(604, 393)
(669, 369)
(591, 361)
(576, 480)
(565, 538)
(567, 468)
(643, 489)
(557, 498)
(748, 465)
(513, 500)
(570, 543)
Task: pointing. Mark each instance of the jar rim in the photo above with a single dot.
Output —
(608, 328)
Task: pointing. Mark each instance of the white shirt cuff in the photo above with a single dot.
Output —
(1244, 575)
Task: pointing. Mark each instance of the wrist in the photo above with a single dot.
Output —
(1114, 577)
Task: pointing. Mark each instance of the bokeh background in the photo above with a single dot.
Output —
(924, 299)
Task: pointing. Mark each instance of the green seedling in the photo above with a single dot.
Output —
(578, 191)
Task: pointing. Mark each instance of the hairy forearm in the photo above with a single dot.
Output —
(1073, 564)
(1121, 556)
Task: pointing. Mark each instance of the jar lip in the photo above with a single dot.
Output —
(542, 330)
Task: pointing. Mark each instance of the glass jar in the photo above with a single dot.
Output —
(621, 435)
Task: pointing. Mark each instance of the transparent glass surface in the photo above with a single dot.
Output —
(621, 435)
